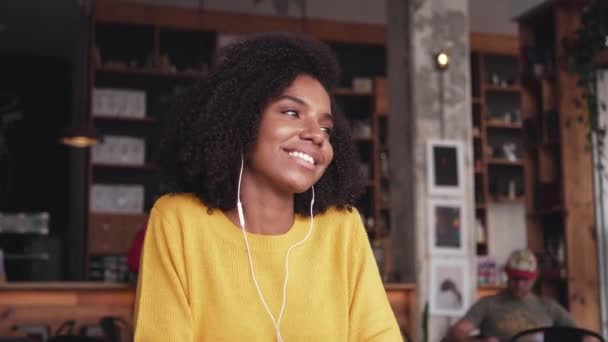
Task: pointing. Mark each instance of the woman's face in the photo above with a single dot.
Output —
(293, 149)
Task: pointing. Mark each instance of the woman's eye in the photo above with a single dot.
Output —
(291, 112)
(327, 130)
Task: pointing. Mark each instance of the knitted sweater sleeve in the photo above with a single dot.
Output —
(370, 316)
(162, 311)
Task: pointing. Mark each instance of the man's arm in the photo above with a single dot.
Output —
(560, 316)
(461, 332)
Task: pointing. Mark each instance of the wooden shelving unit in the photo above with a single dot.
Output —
(149, 72)
(161, 49)
(118, 166)
(560, 211)
(125, 120)
(502, 89)
(367, 113)
(148, 57)
(497, 121)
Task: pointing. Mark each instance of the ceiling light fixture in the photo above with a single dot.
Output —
(81, 132)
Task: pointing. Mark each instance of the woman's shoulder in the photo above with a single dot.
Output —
(342, 221)
(334, 213)
(179, 205)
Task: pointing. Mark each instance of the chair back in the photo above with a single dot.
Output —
(557, 334)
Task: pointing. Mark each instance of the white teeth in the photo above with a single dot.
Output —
(302, 156)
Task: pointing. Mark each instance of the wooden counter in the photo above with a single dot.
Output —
(54, 303)
(403, 301)
(86, 302)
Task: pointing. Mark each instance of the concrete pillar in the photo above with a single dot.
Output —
(428, 104)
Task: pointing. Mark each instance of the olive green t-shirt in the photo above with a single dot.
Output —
(503, 316)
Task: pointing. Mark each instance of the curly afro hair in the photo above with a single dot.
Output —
(219, 117)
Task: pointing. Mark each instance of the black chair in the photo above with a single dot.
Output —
(557, 334)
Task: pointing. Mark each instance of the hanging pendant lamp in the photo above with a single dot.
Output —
(82, 132)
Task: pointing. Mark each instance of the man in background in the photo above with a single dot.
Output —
(515, 309)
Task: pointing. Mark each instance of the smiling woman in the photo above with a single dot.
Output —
(293, 148)
(258, 162)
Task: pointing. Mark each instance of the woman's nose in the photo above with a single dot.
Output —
(312, 131)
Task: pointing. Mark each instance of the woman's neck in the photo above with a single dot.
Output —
(266, 211)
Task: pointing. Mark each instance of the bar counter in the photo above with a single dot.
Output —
(85, 302)
(54, 303)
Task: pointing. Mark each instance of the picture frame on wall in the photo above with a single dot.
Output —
(445, 169)
(449, 284)
(447, 224)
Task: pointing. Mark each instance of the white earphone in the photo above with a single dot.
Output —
(275, 322)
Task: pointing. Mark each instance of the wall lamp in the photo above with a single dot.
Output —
(442, 60)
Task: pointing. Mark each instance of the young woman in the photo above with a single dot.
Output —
(256, 238)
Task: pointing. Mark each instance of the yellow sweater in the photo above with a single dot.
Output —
(195, 283)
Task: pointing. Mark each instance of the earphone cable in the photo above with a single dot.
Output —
(275, 322)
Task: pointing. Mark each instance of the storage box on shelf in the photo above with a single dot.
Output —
(560, 215)
(27, 249)
(497, 127)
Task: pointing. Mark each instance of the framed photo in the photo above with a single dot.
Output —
(447, 227)
(445, 167)
(449, 287)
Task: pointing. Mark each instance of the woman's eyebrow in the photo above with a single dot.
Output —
(292, 98)
(328, 115)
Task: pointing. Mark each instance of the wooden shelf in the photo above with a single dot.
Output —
(552, 210)
(122, 119)
(120, 215)
(504, 162)
(551, 275)
(363, 139)
(503, 125)
(150, 72)
(158, 39)
(145, 167)
(24, 231)
(560, 177)
(504, 199)
(492, 55)
(350, 92)
(500, 89)
(546, 144)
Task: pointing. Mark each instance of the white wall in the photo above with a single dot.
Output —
(485, 15)
(507, 222)
(492, 16)
(364, 11)
(519, 7)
